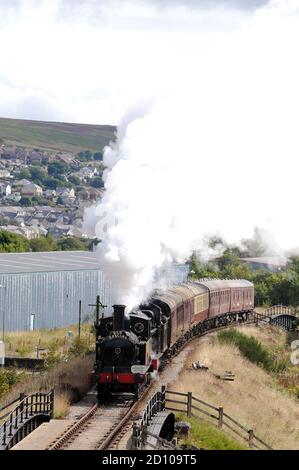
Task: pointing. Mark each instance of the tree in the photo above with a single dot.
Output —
(97, 183)
(51, 183)
(39, 200)
(199, 270)
(98, 156)
(71, 244)
(12, 243)
(74, 180)
(57, 169)
(25, 201)
(85, 156)
(37, 175)
(43, 244)
(24, 174)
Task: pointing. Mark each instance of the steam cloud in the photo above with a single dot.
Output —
(214, 154)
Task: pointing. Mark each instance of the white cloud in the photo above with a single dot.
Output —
(90, 59)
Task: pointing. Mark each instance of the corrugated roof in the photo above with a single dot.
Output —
(268, 260)
(51, 261)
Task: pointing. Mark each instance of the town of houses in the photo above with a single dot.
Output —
(57, 210)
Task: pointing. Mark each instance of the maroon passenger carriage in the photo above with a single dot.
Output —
(130, 346)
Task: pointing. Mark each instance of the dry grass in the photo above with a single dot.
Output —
(62, 405)
(70, 378)
(253, 398)
(267, 335)
(25, 343)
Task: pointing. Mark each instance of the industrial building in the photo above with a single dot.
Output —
(268, 263)
(43, 290)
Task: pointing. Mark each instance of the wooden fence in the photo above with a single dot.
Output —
(197, 408)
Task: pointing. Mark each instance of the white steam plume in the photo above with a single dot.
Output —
(215, 154)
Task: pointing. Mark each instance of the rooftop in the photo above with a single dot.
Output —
(51, 261)
(267, 260)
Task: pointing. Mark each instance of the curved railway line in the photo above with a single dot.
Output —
(104, 426)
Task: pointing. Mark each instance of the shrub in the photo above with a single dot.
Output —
(8, 378)
(206, 436)
(79, 347)
(252, 349)
(53, 356)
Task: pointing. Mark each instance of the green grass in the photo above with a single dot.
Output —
(55, 136)
(252, 349)
(206, 436)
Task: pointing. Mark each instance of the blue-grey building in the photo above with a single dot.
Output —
(43, 290)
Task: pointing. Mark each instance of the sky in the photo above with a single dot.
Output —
(206, 99)
(89, 61)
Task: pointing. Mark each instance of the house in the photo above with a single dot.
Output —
(5, 174)
(16, 197)
(95, 194)
(21, 183)
(5, 189)
(89, 172)
(31, 189)
(65, 192)
(50, 194)
(28, 232)
(61, 230)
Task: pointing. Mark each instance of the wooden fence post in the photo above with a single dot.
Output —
(220, 417)
(189, 404)
(250, 438)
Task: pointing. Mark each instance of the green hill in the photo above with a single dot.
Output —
(55, 135)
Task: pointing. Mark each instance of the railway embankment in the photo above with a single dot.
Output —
(256, 397)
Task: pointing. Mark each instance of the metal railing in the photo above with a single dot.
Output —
(197, 408)
(30, 412)
(279, 310)
(278, 315)
(154, 406)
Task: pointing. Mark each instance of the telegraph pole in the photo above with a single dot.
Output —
(80, 312)
(98, 305)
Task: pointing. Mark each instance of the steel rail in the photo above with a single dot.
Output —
(59, 443)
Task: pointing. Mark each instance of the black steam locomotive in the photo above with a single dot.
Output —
(129, 346)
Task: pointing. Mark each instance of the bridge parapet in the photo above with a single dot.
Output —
(279, 310)
(31, 411)
(278, 315)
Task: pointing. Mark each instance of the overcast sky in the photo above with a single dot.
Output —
(88, 61)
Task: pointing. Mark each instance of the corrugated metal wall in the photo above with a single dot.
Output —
(53, 297)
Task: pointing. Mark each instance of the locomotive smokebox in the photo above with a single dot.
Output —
(121, 320)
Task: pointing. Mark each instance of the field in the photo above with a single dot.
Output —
(53, 136)
(255, 398)
(25, 343)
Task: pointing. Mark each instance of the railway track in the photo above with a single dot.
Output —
(101, 427)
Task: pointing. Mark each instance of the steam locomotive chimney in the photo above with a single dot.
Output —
(120, 319)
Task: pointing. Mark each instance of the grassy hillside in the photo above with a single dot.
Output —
(255, 399)
(55, 135)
